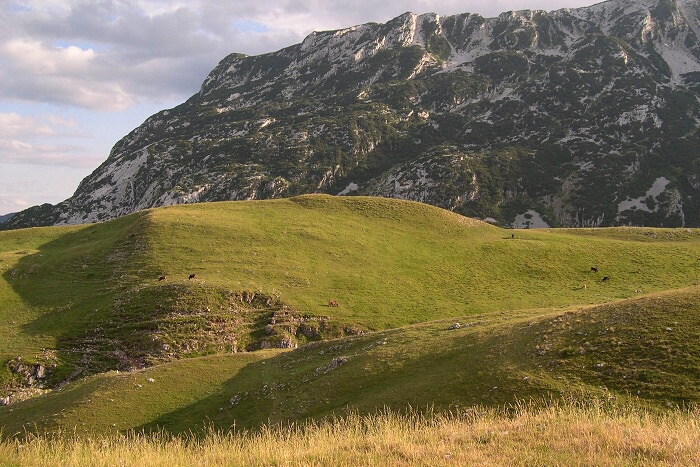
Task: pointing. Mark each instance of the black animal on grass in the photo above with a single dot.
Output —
(594, 269)
(606, 278)
(191, 276)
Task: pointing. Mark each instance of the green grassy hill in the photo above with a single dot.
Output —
(85, 300)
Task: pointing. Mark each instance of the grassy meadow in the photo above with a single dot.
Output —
(391, 263)
(128, 353)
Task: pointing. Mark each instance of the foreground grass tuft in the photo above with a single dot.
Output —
(560, 434)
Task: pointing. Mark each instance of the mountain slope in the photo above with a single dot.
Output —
(581, 117)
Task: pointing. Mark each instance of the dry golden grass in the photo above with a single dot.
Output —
(557, 435)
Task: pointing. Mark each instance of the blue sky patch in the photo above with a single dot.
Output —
(19, 8)
(64, 44)
(245, 25)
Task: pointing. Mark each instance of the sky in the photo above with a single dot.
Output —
(78, 75)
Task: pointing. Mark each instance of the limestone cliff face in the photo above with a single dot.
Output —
(577, 117)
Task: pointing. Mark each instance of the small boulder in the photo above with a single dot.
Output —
(335, 363)
(39, 371)
(454, 326)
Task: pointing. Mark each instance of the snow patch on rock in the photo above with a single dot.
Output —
(530, 220)
(349, 189)
(680, 62)
(658, 187)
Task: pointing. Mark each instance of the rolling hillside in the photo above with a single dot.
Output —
(641, 351)
(76, 301)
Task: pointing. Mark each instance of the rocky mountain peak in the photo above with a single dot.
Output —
(577, 117)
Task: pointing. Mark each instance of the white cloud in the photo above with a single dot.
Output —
(62, 121)
(33, 57)
(35, 184)
(64, 75)
(160, 7)
(45, 154)
(44, 140)
(13, 125)
(10, 203)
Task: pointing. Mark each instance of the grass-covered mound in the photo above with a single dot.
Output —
(389, 263)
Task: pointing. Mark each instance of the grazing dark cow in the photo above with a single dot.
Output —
(191, 276)
(332, 303)
(606, 278)
(594, 269)
(162, 278)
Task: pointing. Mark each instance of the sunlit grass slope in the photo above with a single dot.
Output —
(643, 351)
(389, 263)
(92, 293)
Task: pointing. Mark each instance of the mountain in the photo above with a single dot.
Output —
(577, 117)
(6, 217)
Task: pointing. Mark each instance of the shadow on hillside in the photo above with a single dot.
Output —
(314, 382)
(71, 283)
